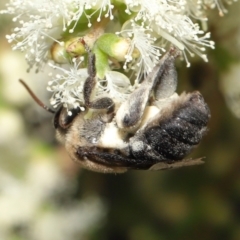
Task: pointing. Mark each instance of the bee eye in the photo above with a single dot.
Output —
(62, 119)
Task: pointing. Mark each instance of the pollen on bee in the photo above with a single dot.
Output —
(113, 133)
(137, 146)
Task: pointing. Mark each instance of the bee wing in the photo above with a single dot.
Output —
(178, 164)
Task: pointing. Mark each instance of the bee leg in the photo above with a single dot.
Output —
(104, 103)
(128, 116)
(166, 85)
(162, 79)
(90, 83)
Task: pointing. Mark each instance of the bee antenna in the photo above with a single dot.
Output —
(35, 98)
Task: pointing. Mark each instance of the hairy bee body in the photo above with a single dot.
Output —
(155, 128)
(166, 137)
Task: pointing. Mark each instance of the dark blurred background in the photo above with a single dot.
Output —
(44, 195)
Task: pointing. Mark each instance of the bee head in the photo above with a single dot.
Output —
(62, 119)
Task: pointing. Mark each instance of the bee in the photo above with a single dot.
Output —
(154, 129)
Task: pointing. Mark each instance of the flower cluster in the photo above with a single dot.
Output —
(127, 36)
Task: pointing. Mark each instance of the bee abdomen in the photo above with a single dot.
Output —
(174, 133)
(194, 110)
(166, 145)
(183, 131)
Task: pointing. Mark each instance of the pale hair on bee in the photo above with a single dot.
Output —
(154, 129)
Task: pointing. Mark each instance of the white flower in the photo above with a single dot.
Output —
(40, 24)
(116, 85)
(187, 37)
(43, 22)
(168, 20)
(197, 8)
(67, 87)
(100, 6)
(142, 40)
(216, 3)
(151, 26)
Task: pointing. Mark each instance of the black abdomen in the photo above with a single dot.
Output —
(172, 136)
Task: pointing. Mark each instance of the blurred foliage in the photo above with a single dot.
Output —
(201, 202)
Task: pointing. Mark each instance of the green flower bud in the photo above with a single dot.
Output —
(58, 53)
(115, 46)
(74, 47)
